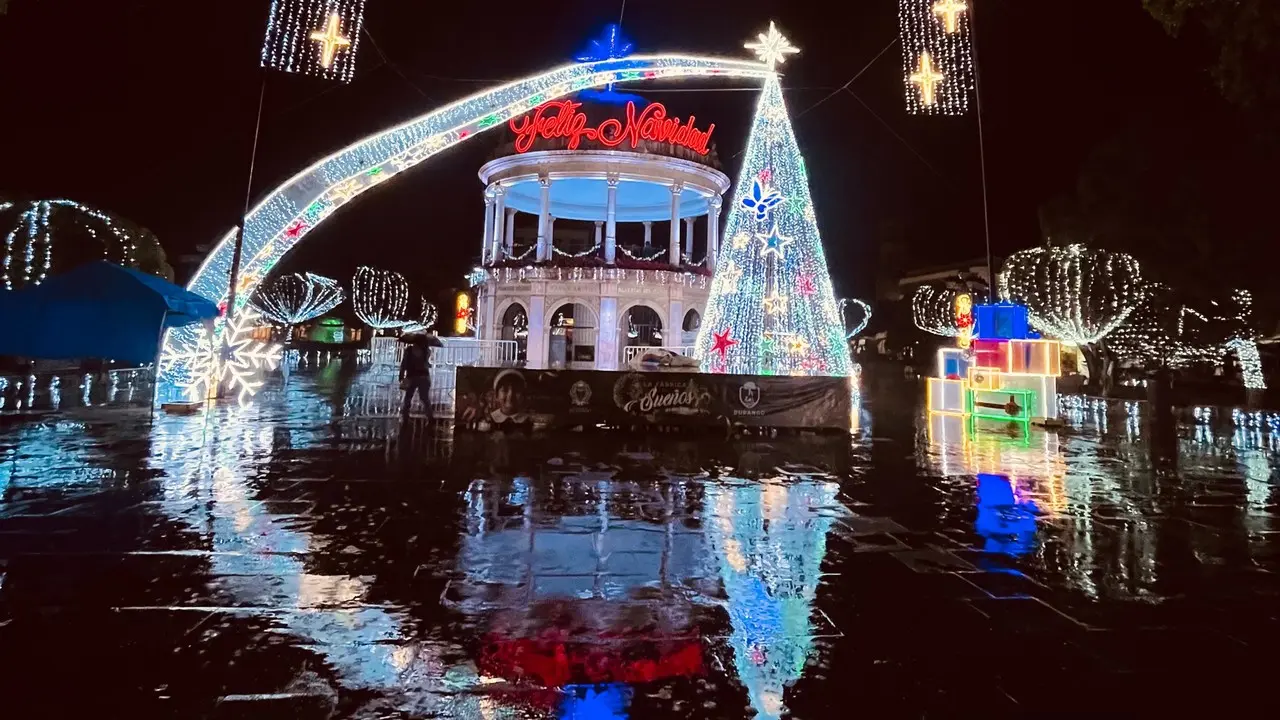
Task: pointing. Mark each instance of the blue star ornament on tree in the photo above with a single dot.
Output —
(775, 243)
(761, 200)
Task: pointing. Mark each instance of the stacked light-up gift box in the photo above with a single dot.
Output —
(1007, 374)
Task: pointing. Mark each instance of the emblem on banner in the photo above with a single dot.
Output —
(749, 394)
(580, 393)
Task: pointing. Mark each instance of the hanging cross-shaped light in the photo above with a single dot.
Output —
(950, 11)
(928, 79)
(331, 40)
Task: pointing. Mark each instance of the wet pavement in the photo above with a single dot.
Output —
(289, 560)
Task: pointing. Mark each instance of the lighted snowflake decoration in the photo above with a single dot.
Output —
(772, 48)
(241, 369)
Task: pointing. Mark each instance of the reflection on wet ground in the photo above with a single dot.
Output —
(287, 560)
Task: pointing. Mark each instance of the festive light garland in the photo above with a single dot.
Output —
(380, 297)
(645, 258)
(755, 299)
(314, 37)
(933, 309)
(29, 245)
(294, 299)
(292, 210)
(937, 55)
(589, 251)
(1074, 293)
(531, 273)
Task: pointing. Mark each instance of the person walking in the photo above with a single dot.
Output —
(415, 370)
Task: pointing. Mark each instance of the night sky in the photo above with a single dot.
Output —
(146, 109)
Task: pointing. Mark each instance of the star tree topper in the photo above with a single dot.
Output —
(772, 48)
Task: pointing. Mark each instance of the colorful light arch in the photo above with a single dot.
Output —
(301, 203)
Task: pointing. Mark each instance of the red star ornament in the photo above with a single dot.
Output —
(766, 176)
(722, 342)
(295, 230)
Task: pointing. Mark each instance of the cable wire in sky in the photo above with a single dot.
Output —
(901, 139)
(853, 79)
(369, 34)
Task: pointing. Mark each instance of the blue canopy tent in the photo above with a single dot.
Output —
(98, 310)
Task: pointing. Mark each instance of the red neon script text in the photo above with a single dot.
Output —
(561, 119)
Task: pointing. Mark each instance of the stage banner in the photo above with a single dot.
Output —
(506, 398)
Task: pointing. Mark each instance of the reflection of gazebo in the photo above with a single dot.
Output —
(571, 592)
(564, 540)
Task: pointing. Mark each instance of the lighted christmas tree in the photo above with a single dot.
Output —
(772, 308)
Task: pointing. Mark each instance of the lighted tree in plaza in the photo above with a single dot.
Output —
(1074, 293)
(772, 309)
(294, 299)
(380, 297)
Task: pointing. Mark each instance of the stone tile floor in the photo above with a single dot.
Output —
(286, 561)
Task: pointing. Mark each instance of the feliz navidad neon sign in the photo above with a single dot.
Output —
(561, 119)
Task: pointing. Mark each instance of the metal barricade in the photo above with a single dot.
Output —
(630, 352)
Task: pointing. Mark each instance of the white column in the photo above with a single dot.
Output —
(544, 215)
(713, 232)
(607, 334)
(510, 240)
(648, 233)
(551, 237)
(673, 333)
(688, 238)
(537, 344)
(599, 242)
(489, 329)
(673, 247)
(611, 222)
(487, 242)
(499, 214)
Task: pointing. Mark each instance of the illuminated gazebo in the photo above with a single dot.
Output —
(569, 183)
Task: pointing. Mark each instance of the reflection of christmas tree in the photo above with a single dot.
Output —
(770, 542)
(772, 308)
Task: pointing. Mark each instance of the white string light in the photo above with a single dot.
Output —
(589, 251)
(933, 310)
(851, 330)
(937, 56)
(314, 37)
(380, 297)
(1073, 293)
(1164, 333)
(642, 258)
(29, 245)
(429, 315)
(294, 299)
